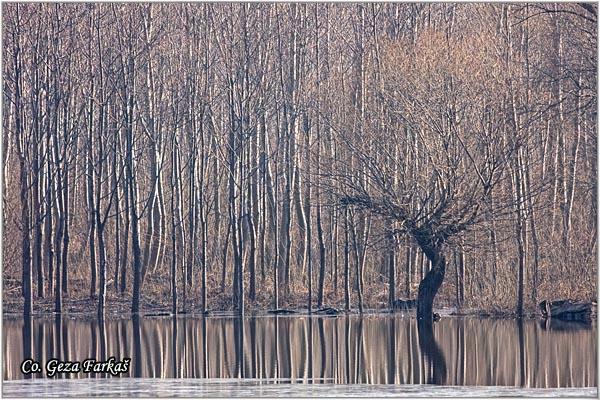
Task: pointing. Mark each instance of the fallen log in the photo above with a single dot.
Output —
(568, 310)
(158, 314)
(404, 304)
(327, 311)
(281, 312)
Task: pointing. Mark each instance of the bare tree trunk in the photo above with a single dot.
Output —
(288, 126)
(26, 230)
(65, 236)
(173, 232)
(154, 228)
(102, 182)
(193, 205)
(116, 189)
(37, 218)
(307, 201)
(126, 225)
(568, 207)
(273, 191)
(358, 260)
(60, 220)
(102, 269)
(251, 200)
(133, 208)
(92, 207)
(152, 244)
(225, 250)
(432, 281)
(264, 193)
(180, 228)
(334, 241)
(322, 255)
(346, 260)
(48, 228)
(203, 212)
(233, 195)
(520, 230)
(408, 271)
(391, 258)
(461, 275)
(322, 251)
(66, 205)
(494, 243)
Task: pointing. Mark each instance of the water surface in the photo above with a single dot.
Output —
(381, 349)
(248, 388)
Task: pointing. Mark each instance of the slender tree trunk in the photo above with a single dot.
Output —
(391, 258)
(173, 233)
(102, 270)
(65, 237)
(101, 223)
(193, 214)
(37, 220)
(307, 212)
(461, 275)
(133, 212)
(408, 271)
(520, 233)
(334, 243)
(250, 217)
(321, 241)
(66, 202)
(180, 228)
(570, 197)
(493, 242)
(203, 215)
(534, 234)
(48, 227)
(263, 212)
(126, 225)
(60, 222)
(346, 261)
(92, 207)
(360, 254)
(26, 238)
(322, 256)
(153, 242)
(116, 189)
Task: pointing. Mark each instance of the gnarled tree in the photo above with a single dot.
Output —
(442, 115)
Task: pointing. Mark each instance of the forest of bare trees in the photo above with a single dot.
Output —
(254, 156)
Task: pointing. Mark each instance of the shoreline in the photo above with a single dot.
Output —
(85, 309)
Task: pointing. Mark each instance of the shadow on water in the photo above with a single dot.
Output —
(371, 349)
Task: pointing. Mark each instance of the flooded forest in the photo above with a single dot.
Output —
(191, 158)
(385, 199)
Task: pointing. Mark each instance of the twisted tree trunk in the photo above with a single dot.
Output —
(432, 281)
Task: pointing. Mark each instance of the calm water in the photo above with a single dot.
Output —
(373, 349)
(247, 388)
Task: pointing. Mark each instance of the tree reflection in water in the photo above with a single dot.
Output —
(374, 349)
(436, 371)
(26, 332)
(138, 357)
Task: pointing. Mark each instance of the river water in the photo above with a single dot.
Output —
(373, 355)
